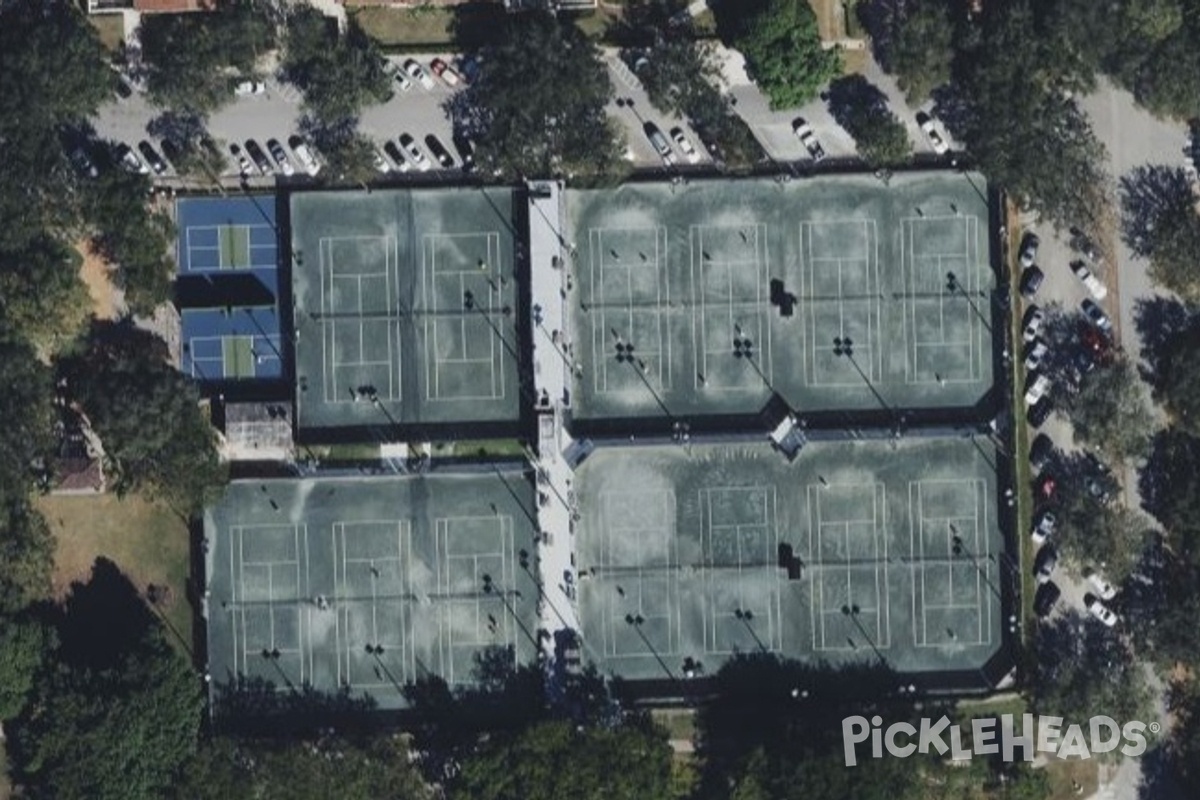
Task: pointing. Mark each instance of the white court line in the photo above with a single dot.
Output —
(752, 323)
(808, 269)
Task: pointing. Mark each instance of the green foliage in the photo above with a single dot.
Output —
(1160, 616)
(783, 52)
(921, 49)
(1091, 533)
(337, 74)
(116, 713)
(25, 406)
(43, 298)
(129, 234)
(348, 154)
(862, 109)
(553, 760)
(1083, 669)
(283, 769)
(23, 647)
(1171, 486)
(1159, 222)
(1110, 412)
(147, 416)
(26, 554)
(538, 106)
(193, 60)
(1024, 131)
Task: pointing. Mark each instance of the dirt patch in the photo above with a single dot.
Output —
(97, 275)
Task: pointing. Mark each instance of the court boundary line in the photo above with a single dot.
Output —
(251, 247)
(237, 595)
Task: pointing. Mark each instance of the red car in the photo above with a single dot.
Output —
(445, 72)
(1045, 486)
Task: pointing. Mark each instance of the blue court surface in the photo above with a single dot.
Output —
(227, 234)
(222, 344)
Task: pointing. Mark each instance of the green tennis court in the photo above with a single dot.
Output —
(238, 355)
(235, 246)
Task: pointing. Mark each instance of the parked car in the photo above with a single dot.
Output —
(244, 164)
(121, 86)
(1097, 289)
(1029, 249)
(804, 133)
(1039, 385)
(1098, 610)
(156, 162)
(399, 77)
(1041, 451)
(685, 145)
(1044, 563)
(409, 145)
(1039, 412)
(281, 157)
(131, 161)
(439, 152)
(1031, 281)
(1043, 526)
(392, 151)
(247, 88)
(83, 163)
(1104, 589)
(1036, 355)
(929, 128)
(466, 151)
(1034, 318)
(259, 157)
(661, 146)
(381, 163)
(1045, 597)
(418, 74)
(1046, 486)
(1082, 244)
(445, 72)
(305, 155)
(1096, 315)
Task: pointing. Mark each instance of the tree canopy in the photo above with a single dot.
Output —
(861, 108)
(920, 48)
(1159, 222)
(41, 296)
(24, 644)
(1110, 411)
(1170, 484)
(338, 74)
(783, 51)
(552, 760)
(192, 61)
(146, 414)
(538, 105)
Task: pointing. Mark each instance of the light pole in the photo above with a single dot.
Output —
(635, 621)
(953, 284)
(844, 346)
(852, 611)
(491, 587)
(743, 348)
(625, 355)
(959, 548)
(746, 616)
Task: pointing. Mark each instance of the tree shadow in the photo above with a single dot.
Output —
(258, 707)
(1165, 478)
(1163, 324)
(732, 17)
(1150, 194)
(854, 96)
(879, 18)
(1160, 777)
(103, 620)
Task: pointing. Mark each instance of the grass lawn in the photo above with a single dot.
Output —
(1066, 774)
(111, 28)
(347, 452)
(1023, 476)
(399, 26)
(148, 542)
(479, 447)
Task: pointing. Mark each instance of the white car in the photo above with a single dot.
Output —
(305, 155)
(281, 157)
(1100, 611)
(247, 88)
(1096, 315)
(936, 140)
(685, 146)
(1037, 389)
(1029, 249)
(804, 133)
(1043, 527)
(1034, 318)
(1104, 589)
(245, 165)
(381, 164)
(398, 75)
(418, 74)
(1036, 355)
(1097, 289)
(131, 161)
(409, 145)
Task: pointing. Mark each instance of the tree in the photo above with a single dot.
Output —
(861, 108)
(192, 61)
(538, 105)
(1083, 669)
(1170, 484)
(25, 406)
(1159, 611)
(1090, 533)
(26, 554)
(1109, 413)
(553, 760)
(23, 647)
(921, 48)
(42, 296)
(783, 51)
(1178, 377)
(348, 154)
(146, 414)
(1159, 222)
(133, 236)
(117, 712)
(192, 150)
(337, 74)
(1046, 156)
